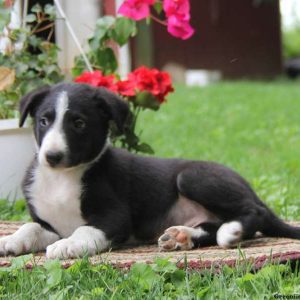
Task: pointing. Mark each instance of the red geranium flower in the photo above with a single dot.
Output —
(165, 85)
(126, 88)
(143, 79)
(92, 78)
(96, 78)
(153, 81)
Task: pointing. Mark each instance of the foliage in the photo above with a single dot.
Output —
(32, 59)
(291, 42)
(13, 211)
(161, 280)
(4, 15)
(101, 54)
(144, 88)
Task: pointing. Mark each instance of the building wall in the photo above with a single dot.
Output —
(82, 16)
(235, 36)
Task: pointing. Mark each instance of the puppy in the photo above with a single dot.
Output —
(85, 196)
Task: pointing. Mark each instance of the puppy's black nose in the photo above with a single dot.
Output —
(54, 157)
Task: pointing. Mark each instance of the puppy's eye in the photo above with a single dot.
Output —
(79, 124)
(44, 121)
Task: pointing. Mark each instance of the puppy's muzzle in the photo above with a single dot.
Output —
(54, 158)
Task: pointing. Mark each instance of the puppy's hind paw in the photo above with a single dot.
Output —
(230, 234)
(176, 238)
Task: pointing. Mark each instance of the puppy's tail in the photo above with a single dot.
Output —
(275, 227)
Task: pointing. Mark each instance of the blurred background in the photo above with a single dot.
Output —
(234, 39)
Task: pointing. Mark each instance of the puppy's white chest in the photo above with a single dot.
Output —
(55, 195)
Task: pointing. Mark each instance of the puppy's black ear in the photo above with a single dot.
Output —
(30, 102)
(116, 108)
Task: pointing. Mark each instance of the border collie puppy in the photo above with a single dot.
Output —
(85, 196)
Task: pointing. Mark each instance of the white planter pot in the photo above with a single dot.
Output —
(17, 149)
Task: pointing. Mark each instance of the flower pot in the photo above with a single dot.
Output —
(16, 151)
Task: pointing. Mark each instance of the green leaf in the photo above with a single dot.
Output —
(106, 60)
(147, 100)
(37, 8)
(105, 22)
(61, 294)
(178, 278)
(4, 15)
(201, 294)
(21, 68)
(20, 205)
(144, 275)
(55, 273)
(98, 291)
(50, 10)
(158, 7)
(34, 41)
(164, 265)
(103, 25)
(30, 18)
(144, 148)
(124, 28)
(17, 263)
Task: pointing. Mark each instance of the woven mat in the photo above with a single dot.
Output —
(258, 251)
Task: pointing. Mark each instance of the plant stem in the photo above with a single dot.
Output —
(158, 20)
(43, 28)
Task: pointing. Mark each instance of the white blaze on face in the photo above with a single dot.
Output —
(54, 140)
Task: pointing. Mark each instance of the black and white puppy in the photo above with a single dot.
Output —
(85, 196)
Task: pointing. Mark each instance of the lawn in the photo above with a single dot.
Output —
(251, 127)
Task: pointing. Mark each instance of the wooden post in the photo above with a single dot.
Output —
(109, 7)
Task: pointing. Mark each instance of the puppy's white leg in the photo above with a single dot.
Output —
(84, 240)
(31, 237)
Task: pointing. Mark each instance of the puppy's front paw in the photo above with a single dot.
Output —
(69, 248)
(176, 238)
(13, 245)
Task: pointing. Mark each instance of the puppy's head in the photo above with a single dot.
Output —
(71, 122)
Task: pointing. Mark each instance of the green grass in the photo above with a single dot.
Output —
(253, 128)
(161, 280)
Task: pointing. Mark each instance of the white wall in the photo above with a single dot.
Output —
(82, 15)
(17, 151)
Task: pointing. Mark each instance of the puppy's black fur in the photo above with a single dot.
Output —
(124, 194)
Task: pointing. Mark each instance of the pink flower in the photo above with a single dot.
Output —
(178, 17)
(176, 7)
(136, 9)
(180, 27)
